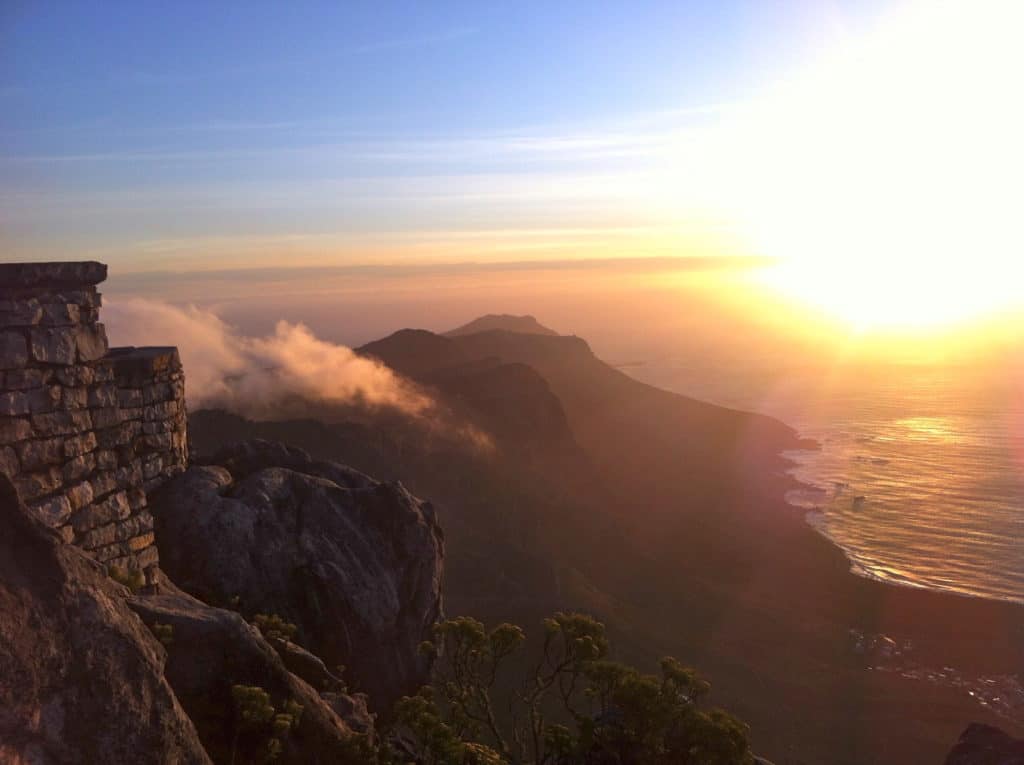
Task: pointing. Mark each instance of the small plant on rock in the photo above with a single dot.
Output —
(133, 579)
(263, 727)
(273, 626)
(163, 632)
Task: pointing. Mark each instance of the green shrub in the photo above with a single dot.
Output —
(133, 579)
(613, 713)
(273, 626)
(259, 727)
(163, 632)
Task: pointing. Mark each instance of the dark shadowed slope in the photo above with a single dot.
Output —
(526, 325)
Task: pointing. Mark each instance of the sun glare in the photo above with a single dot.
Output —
(888, 179)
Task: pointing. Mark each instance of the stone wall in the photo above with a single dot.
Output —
(85, 432)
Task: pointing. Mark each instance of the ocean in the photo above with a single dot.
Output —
(920, 473)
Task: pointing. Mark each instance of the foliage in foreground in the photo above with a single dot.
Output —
(573, 707)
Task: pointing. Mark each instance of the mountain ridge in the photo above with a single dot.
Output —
(526, 324)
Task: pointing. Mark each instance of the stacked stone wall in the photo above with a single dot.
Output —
(85, 431)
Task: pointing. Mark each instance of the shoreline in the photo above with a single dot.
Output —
(770, 610)
(815, 516)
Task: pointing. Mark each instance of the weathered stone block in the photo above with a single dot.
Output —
(103, 483)
(13, 350)
(13, 430)
(61, 423)
(109, 553)
(75, 398)
(53, 345)
(126, 454)
(152, 467)
(158, 392)
(141, 542)
(113, 508)
(13, 403)
(33, 486)
(60, 314)
(111, 438)
(44, 399)
(76, 375)
(78, 468)
(129, 475)
(108, 417)
(131, 413)
(9, 464)
(53, 511)
(91, 340)
(75, 274)
(103, 396)
(106, 459)
(156, 442)
(76, 446)
(136, 498)
(98, 537)
(41, 453)
(80, 495)
(129, 398)
(67, 534)
(20, 313)
(23, 379)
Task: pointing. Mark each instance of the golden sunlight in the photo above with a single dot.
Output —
(888, 178)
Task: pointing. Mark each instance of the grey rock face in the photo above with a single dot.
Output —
(81, 677)
(354, 563)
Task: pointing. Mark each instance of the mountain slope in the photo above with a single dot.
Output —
(627, 427)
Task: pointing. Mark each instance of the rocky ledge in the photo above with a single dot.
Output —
(984, 745)
(353, 563)
(93, 670)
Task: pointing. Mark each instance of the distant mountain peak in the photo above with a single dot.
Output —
(524, 325)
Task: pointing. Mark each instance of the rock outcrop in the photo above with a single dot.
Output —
(984, 745)
(354, 563)
(81, 677)
(211, 650)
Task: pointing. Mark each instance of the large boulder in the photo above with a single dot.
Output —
(81, 676)
(984, 745)
(354, 563)
(212, 650)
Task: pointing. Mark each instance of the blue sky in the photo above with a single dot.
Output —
(209, 135)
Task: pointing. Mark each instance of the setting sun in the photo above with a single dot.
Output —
(887, 177)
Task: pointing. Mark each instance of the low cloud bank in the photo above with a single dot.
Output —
(252, 375)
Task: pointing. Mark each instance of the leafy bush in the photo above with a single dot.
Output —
(573, 707)
(259, 728)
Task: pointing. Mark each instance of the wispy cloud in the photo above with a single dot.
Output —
(633, 137)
